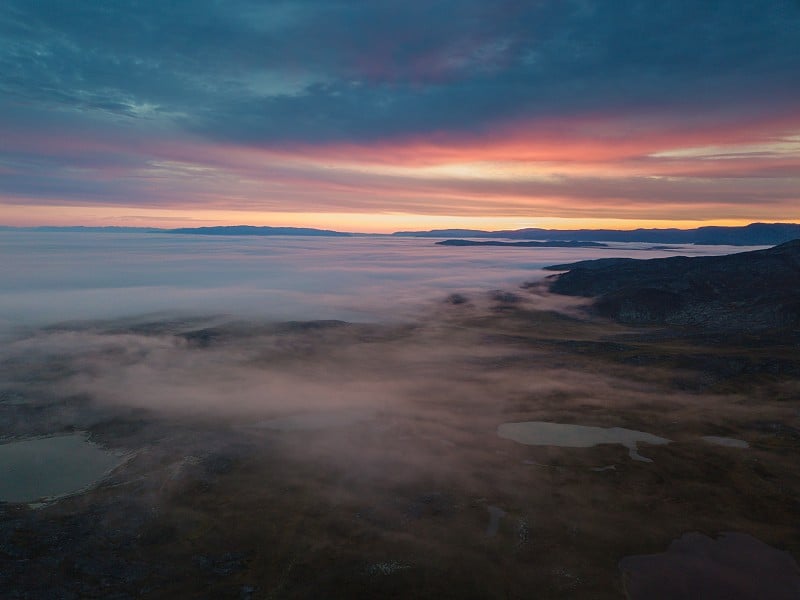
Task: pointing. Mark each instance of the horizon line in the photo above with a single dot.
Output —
(146, 228)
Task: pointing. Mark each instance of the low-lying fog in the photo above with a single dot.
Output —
(50, 277)
(347, 402)
(199, 325)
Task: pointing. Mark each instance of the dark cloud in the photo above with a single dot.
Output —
(317, 70)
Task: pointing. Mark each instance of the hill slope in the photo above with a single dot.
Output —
(744, 291)
(755, 234)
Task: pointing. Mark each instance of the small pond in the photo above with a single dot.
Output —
(725, 441)
(544, 433)
(48, 467)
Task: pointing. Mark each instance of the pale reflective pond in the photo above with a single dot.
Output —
(543, 433)
(725, 441)
(48, 467)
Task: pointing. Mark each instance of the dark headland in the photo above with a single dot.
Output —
(755, 290)
(553, 244)
(755, 234)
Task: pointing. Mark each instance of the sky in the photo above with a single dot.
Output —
(381, 116)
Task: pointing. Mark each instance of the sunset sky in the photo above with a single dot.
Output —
(379, 116)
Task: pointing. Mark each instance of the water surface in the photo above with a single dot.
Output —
(543, 433)
(49, 467)
(725, 441)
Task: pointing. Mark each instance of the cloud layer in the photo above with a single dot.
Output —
(55, 277)
(635, 110)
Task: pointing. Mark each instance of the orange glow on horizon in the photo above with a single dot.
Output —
(28, 216)
(597, 171)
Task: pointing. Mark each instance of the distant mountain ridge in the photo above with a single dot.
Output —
(553, 244)
(83, 229)
(253, 230)
(755, 234)
(220, 230)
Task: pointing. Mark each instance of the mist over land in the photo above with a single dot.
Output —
(304, 414)
(51, 277)
(572, 371)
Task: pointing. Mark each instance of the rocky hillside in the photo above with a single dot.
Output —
(745, 291)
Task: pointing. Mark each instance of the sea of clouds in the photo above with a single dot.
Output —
(55, 277)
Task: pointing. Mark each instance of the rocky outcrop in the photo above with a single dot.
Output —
(745, 291)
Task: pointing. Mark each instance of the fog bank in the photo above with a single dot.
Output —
(53, 277)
